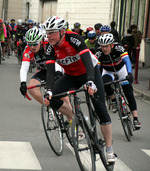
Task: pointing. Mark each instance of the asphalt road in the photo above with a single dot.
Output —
(23, 145)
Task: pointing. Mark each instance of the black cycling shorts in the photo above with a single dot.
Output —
(67, 82)
(41, 75)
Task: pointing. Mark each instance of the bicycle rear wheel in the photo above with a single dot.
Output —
(128, 112)
(124, 119)
(52, 129)
(82, 146)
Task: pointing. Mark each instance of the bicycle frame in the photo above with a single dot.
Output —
(123, 106)
(98, 145)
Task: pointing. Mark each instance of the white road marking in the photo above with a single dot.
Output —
(146, 151)
(119, 165)
(18, 155)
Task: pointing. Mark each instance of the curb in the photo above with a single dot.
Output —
(142, 94)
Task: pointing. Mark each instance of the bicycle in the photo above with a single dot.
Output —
(91, 143)
(122, 108)
(55, 125)
(19, 53)
(7, 51)
(32, 65)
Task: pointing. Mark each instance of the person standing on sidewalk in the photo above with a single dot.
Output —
(137, 38)
(128, 39)
(115, 60)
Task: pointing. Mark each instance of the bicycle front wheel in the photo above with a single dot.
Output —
(82, 146)
(52, 129)
(124, 119)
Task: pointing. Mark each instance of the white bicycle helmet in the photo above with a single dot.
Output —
(33, 35)
(55, 23)
(19, 22)
(106, 39)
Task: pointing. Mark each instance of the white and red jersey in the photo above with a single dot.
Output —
(39, 57)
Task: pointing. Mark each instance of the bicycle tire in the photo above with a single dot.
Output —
(102, 145)
(52, 129)
(124, 119)
(65, 128)
(83, 149)
(128, 112)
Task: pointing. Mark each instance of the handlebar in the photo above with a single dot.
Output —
(114, 82)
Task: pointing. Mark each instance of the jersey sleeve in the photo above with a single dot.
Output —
(27, 54)
(50, 76)
(87, 58)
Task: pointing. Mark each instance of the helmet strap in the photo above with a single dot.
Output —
(60, 36)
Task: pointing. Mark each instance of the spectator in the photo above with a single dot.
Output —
(137, 38)
(114, 31)
(128, 39)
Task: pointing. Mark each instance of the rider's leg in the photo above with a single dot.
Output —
(66, 108)
(35, 92)
(107, 133)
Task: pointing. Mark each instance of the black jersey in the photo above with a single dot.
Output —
(113, 61)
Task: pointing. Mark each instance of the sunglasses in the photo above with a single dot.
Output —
(33, 44)
(92, 38)
(51, 32)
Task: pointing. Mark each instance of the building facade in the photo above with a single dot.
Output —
(87, 12)
(127, 12)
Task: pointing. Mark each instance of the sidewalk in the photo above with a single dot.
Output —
(143, 86)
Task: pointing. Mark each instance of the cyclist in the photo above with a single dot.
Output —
(77, 29)
(87, 30)
(3, 35)
(12, 27)
(80, 67)
(37, 24)
(30, 24)
(19, 37)
(37, 49)
(105, 29)
(67, 27)
(97, 27)
(8, 37)
(115, 60)
(91, 41)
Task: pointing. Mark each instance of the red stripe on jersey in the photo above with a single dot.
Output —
(84, 51)
(50, 62)
(114, 64)
(124, 54)
(27, 60)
